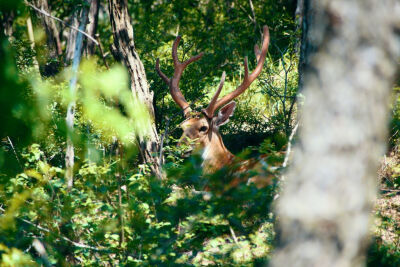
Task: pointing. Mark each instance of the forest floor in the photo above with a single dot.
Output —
(386, 230)
(387, 224)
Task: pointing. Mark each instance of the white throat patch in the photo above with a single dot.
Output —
(206, 152)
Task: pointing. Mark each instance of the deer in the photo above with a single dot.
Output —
(201, 129)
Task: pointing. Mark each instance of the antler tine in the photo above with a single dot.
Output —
(257, 52)
(160, 73)
(248, 79)
(209, 111)
(173, 83)
(175, 51)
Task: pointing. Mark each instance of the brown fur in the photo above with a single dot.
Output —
(215, 155)
(209, 143)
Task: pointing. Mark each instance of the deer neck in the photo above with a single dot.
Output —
(215, 154)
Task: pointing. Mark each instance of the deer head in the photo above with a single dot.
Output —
(201, 129)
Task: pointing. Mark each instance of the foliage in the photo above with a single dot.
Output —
(385, 248)
(384, 251)
(226, 33)
(162, 222)
(116, 213)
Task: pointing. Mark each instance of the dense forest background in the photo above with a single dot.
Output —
(110, 206)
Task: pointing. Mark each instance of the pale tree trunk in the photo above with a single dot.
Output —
(32, 40)
(70, 154)
(124, 50)
(91, 27)
(52, 33)
(325, 209)
(71, 40)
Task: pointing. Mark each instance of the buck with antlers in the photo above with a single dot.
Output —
(203, 127)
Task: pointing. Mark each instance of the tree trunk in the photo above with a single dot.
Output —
(91, 28)
(52, 33)
(71, 40)
(124, 50)
(69, 154)
(32, 40)
(350, 61)
(305, 15)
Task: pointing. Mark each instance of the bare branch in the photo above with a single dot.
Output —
(289, 148)
(15, 153)
(60, 20)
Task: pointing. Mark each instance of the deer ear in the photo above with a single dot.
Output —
(224, 113)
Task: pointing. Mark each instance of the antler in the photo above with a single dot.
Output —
(173, 83)
(247, 80)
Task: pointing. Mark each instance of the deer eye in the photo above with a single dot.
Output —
(203, 128)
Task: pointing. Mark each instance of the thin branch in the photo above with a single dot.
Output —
(103, 56)
(254, 15)
(42, 11)
(162, 140)
(40, 249)
(234, 236)
(119, 181)
(15, 153)
(390, 190)
(286, 75)
(289, 149)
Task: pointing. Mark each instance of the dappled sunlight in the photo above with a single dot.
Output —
(190, 133)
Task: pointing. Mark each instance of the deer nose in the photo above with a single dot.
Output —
(187, 153)
(184, 140)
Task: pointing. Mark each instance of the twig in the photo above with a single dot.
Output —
(390, 190)
(60, 20)
(76, 244)
(41, 251)
(286, 77)
(254, 15)
(120, 209)
(15, 153)
(162, 140)
(234, 236)
(103, 56)
(288, 151)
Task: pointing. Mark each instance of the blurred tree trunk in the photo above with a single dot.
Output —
(350, 55)
(124, 50)
(32, 40)
(52, 33)
(91, 28)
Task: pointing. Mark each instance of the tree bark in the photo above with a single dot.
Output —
(124, 50)
(52, 33)
(350, 62)
(32, 40)
(70, 154)
(91, 28)
(306, 13)
(71, 40)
